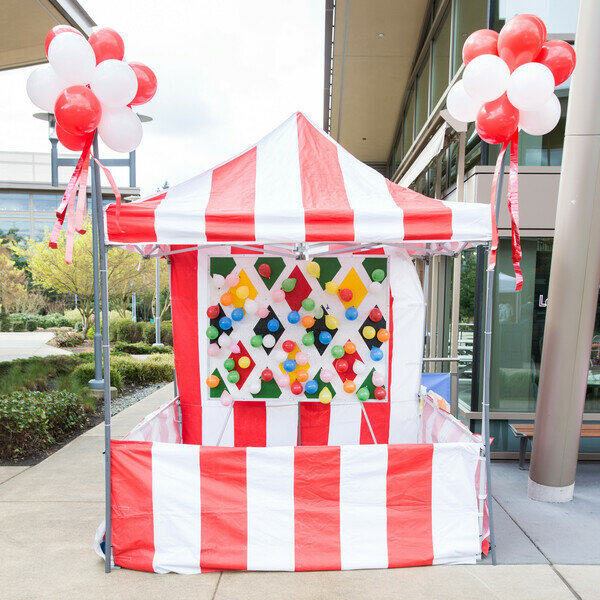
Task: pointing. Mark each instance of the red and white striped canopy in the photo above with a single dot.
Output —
(295, 185)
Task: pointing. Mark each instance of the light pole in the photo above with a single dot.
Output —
(157, 343)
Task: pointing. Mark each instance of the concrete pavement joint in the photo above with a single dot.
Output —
(15, 475)
(217, 586)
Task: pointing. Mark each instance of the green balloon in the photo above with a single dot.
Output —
(308, 304)
(319, 312)
(308, 339)
(256, 341)
(378, 275)
(363, 394)
(212, 333)
(233, 376)
(288, 284)
(229, 364)
(338, 351)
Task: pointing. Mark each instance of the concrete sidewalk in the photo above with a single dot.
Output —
(25, 344)
(49, 513)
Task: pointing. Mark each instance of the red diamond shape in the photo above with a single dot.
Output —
(300, 292)
(350, 359)
(244, 373)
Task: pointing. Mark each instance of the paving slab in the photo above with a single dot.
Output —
(25, 344)
(7, 473)
(584, 579)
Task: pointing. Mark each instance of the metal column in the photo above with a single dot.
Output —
(157, 343)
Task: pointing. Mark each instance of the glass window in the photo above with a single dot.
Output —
(466, 320)
(559, 16)
(14, 201)
(21, 227)
(470, 15)
(45, 202)
(397, 152)
(409, 123)
(441, 60)
(40, 228)
(422, 107)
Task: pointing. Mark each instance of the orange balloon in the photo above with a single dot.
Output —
(302, 376)
(383, 335)
(349, 386)
(308, 321)
(212, 381)
(226, 299)
(350, 347)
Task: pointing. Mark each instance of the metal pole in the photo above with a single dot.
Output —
(133, 307)
(426, 297)
(157, 343)
(106, 359)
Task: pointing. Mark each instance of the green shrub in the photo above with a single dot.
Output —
(148, 332)
(72, 317)
(140, 372)
(141, 348)
(31, 325)
(166, 332)
(85, 372)
(69, 339)
(18, 326)
(32, 421)
(128, 331)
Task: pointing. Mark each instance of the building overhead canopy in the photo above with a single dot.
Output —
(24, 26)
(371, 71)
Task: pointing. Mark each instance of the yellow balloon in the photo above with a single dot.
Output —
(369, 332)
(313, 268)
(331, 322)
(244, 362)
(242, 292)
(325, 396)
(331, 287)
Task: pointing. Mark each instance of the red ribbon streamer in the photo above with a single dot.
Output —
(499, 164)
(115, 190)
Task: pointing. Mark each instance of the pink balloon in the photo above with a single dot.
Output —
(283, 381)
(232, 279)
(235, 349)
(278, 295)
(326, 375)
(378, 378)
(301, 358)
(226, 399)
(263, 312)
(213, 350)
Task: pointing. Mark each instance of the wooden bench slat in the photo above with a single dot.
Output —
(588, 430)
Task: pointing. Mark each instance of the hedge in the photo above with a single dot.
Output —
(86, 372)
(141, 348)
(69, 339)
(22, 321)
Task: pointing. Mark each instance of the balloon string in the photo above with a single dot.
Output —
(115, 190)
(513, 208)
(82, 199)
(494, 250)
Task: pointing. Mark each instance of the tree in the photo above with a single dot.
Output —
(12, 282)
(467, 286)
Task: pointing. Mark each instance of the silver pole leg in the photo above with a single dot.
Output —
(225, 423)
(364, 412)
(157, 343)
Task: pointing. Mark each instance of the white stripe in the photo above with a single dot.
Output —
(270, 490)
(470, 221)
(455, 528)
(176, 508)
(376, 216)
(344, 422)
(214, 417)
(180, 217)
(363, 512)
(278, 207)
(282, 424)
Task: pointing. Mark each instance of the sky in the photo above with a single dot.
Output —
(229, 71)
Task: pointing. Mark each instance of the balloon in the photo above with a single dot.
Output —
(374, 287)
(349, 386)
(265, 270)
(244, 362)
(358, 367)
(233, 376)
(212, 333)
(363, 394)
(226, 399)
(380, 393)
(368, 332)
(235, 349)
(308, 339)
(226, 299)
(341, 365)
(267, 375)
(497, 121)
(43, 87)
(296, 388)
(331, 322)
(213, 349)
(337, 351)
(237, 314)
(72, 58)
(308, 304)
(262, 312)
(319, 312)
(302, 375)
(485, 78)
(268, 341)
(273, 325)
(232, 280)
(378, 378)
(229, 364)
(351, 313)
(242, 292)
(77, 110)
(383, 335)
(375, 315)
(224, 340)
(293, 317)
(349, 347)
(218, 280)
(114, 83)
(530, 86)
(376, 354)
(107, 45)
(71, 141)
(283, 381)
(288, 284)
(251, 306)
(326, 375)
(225, 323)
(256, 341)
(346, 295)
(255, 387)
(482, 41)
(325, 395)
(278, 295)
(313, 268)
(378, 275)
(301, 358)
(460, 105)
(56, 30)
(212, 312)
(310, 387)
(146, 83)
(325, 337)
(120, 129)
(308, 321)
(289, 364)
(520, 40)
(288, 345)
(559, 57)
(543, 120)
(331, 287)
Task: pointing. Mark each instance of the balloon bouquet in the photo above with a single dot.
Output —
(508, 84)
(88, 86)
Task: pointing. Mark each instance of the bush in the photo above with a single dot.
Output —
(69, 339)
(32, 421)
(31, 325)
(148, 332)
(151, 370)
(166, 332)
(84, 373)
(141, 348)
(128, 331)
(18, 326)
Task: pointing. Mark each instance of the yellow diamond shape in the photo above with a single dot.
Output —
(292, 374)
(244, 280)
(354, 283)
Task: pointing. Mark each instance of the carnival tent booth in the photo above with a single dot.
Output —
(296, 440)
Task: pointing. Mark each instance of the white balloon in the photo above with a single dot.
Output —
(374, 286)
(225, 341)
(358, 367)
(255, 387)
(120, 129)
(114, 83)
(72, 58)
(460, 105)
(251, 306)
(485, 78)
(543, 120)
(268, 341)
(43, 87)
(218, 280)
(530, 86)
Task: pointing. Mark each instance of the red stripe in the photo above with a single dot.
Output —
(317, 508)
(424, 218)
(229, 214)
(314, 424)
(131, 501)
(250, 424)
(409, 474)
(135, 223)
(327, 212)
(259, 250)
(223, 499)
(184, 298)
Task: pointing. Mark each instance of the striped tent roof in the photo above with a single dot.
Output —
(296, 184)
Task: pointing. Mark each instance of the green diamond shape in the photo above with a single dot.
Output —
(216, 392)
(268, 389)
(317, 378)
(329, 268)
(375, 262)
(277, 265)
(223, 265)
(368, 383)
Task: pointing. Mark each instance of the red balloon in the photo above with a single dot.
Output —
(107, 43)
(56, 30)
(77, 110)
(265, 270)
(559, 57)
(267, 375)
(482, 41)
(212, 312)
(296, 388)
(497, 120)
(379, 393)
(346, 295)
(520, 40)
(70, 141)
(375, 315)
(146, 83)
(288, 345)
(341, 365)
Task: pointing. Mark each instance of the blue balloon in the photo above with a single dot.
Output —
(311, 386)
(293, 317)
(351, 313)
(237, 314)
(289, 365)
(324, 337)
(273, 325)
(225, 323)
(376, 353)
